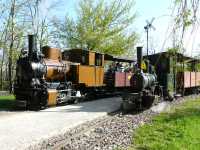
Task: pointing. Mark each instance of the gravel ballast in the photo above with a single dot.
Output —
(110, 132)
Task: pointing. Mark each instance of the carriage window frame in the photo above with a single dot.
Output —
(98, 59)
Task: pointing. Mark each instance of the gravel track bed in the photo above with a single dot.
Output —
(106, 133)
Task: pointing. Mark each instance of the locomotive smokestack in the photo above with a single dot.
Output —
(139, 57)
(32, 45)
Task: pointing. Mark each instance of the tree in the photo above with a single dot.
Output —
(100, 26)
(186, 16)
(38, 21)
(10, 37)
(13, 34)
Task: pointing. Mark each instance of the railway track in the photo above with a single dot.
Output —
(103, 122)
(107, 133)
(63, 144)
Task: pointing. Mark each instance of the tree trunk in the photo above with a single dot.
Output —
(1, 73)
(12, 13)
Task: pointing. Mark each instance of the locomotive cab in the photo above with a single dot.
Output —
(88, 72)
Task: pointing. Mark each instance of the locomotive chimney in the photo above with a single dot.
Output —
(32, 45)
(139, 57)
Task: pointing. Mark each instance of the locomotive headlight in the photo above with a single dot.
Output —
(129, 77)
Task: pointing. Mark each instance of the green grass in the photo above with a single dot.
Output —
(7, 102)
(176, 130)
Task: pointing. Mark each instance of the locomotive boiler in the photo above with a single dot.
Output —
(140, 81)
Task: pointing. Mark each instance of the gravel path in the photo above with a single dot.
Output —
(19, 130)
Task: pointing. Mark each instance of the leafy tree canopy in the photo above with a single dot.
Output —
(186, 16)
(101, 26)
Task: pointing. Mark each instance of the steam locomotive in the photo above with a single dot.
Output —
(50, 77)
(41, 78)
(145, 87)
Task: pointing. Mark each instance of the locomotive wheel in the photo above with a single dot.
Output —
(131, 102)
(128, 106)
(147, 101)
(73, 101)
(38, 101)
(34, 106)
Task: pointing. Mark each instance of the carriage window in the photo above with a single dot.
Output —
(85, 58)
(98, 60)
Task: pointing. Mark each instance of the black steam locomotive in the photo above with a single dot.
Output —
(41, 78)
(145, 88)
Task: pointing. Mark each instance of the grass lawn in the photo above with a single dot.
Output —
(176, 130)
(7, 102)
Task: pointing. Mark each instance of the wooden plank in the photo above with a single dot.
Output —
(52, 96)
(86, 75)
(119, 79)
(186, 79)
(99, 76)
(91, 58)
(91, 76)
(198, 78)
(193, 79)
